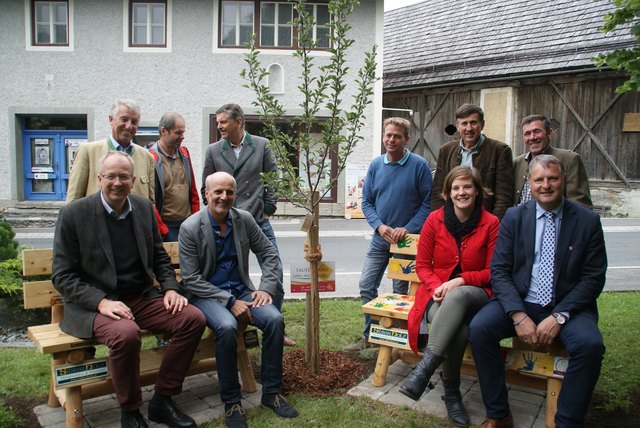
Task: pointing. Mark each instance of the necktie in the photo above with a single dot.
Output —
(547, 258)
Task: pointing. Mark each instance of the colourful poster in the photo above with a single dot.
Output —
(353, 196)
(301, 277)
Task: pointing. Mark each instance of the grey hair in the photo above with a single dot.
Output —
(546, 161)
(128, 103)
(233, 110)
(169, 119)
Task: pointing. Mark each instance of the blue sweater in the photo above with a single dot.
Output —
(397, 195)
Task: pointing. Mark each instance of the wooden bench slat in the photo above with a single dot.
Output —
(402, 269)
(38, 294)
(408, 245)
(37, 261)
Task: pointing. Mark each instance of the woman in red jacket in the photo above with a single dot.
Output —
(455, 248)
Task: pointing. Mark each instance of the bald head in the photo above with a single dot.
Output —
(221, 194)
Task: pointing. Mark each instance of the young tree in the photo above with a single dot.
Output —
(626, 16)
(321, 88)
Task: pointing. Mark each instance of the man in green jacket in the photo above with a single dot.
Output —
(537, 134)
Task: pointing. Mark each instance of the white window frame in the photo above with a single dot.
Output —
(29, 21)
(276, 25)
(316, 25)
(241, 49)
(126, 20)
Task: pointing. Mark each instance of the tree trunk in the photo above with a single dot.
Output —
(312, 351)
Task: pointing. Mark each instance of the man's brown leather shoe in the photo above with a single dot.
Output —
(506, 422)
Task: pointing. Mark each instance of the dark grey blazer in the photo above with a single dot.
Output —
(255, 158)
(84, 270)
(198, 254)
(580, 261)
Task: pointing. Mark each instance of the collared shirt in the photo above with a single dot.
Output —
(402, 161)
(237, 149)
(467, 154)
(116, 146)
(532, 294)
(176, 206)
(127, 208)
(227, 274)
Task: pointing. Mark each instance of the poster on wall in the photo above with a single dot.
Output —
(353, 195)
(72, 147)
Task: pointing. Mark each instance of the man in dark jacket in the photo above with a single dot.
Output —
(491, 157)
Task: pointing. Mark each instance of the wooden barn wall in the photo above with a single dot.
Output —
(591, 96)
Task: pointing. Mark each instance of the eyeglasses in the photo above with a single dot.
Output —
(112, 177)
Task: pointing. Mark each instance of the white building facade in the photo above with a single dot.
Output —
(64, 63)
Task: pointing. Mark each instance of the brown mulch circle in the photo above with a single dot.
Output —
(598, 417)
(23, 407)
(338, 372)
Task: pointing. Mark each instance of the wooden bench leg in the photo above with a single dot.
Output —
(73, 407)
(382, 366)
(244, 365)
(553, 389)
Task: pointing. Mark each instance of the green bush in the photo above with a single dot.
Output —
(11, 278)
(8, 246)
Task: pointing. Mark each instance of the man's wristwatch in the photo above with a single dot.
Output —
(560, 319)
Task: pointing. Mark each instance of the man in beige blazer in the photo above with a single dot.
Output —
(124, 119)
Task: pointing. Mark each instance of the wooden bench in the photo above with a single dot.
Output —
(539, 368)
(75, 373)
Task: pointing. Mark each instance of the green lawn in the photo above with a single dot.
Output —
(25, 372)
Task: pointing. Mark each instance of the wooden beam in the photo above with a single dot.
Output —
(594, 139)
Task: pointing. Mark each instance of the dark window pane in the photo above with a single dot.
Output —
(53, 122)
(228, 35)
(323, 38)
(157, 35)
(42, 34)
(323, 17)
(61, 34)
(267, 36)
(284, 36)
(61, 13)
(284, 14)
(268, 13)
(228, 13)
(245, 34)
(246, 14)
(139, 35)
(157, 15)
(42, 12)
(139, 14)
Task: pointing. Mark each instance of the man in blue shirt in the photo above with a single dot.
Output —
(214, 260)
(395, 201)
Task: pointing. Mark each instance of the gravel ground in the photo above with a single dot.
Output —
(14, 338)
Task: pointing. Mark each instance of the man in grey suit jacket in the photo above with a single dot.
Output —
(107, 252)
(245, 157)
(214, 260)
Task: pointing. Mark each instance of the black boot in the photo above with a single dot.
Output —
(419, 379)
(453, 400)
